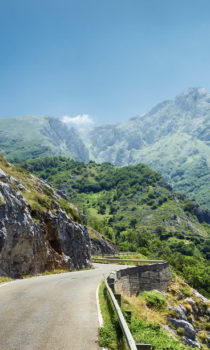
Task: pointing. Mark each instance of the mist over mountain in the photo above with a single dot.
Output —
(39, 136)
(173, 138)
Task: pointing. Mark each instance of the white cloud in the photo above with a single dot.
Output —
(78, 120)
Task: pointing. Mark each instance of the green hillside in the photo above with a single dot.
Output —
(137, 209)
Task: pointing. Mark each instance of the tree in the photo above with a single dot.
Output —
(133, 223)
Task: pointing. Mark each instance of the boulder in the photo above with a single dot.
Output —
(189, 330)
(193, 304)
(3, 175)
(194, 343)
(180, 311)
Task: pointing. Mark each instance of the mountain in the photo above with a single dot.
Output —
(33, 137)
(173, 138)
(134, 207)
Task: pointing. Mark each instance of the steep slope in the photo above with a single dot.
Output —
(134, 206)
(39, 229)
(33, 137)
(181, 313)
(173, 138)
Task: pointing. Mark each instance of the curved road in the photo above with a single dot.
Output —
(55, 312)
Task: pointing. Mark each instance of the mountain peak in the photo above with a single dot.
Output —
(193, 97)
(194, 91)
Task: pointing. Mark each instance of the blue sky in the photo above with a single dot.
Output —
(108, 59)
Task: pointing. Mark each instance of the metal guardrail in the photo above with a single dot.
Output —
(126, 331)
(126, 253)
(140, 261)
(124, 327)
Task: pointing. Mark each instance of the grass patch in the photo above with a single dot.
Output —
(6, 279)
(96, 259)
(152, 333)
(133, 256)
(56, 271)
(46, 273)
(38, 202)
(70, 210)
(110, 335)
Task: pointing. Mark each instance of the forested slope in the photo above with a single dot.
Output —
(137, 209)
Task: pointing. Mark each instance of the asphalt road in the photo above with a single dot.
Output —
(55, 312)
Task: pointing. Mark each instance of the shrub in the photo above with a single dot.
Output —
(154, 300)
(38, 202)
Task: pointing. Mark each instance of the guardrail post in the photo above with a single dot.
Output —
(111, 285)
(128, 314)
(118, 298)
(144, 347)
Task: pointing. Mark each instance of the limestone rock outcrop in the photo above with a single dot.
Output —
(101, 246)
(190, 316)
(36, 234)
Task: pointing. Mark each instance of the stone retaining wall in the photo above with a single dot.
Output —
(133, 280)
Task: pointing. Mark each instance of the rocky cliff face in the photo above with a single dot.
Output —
(188, 315)
(36, 234)
(100, 246)
(67, 141)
